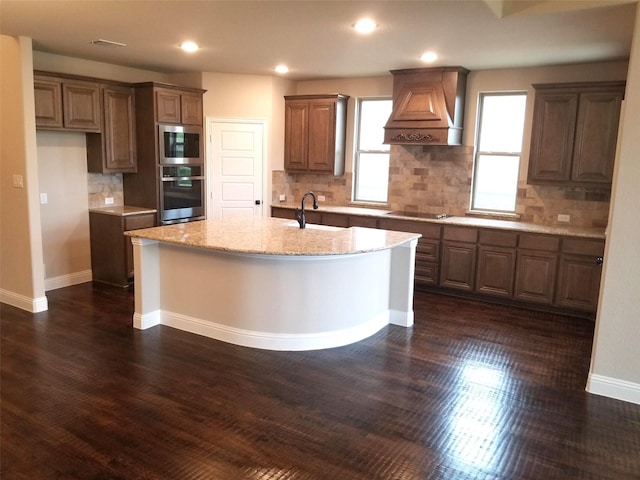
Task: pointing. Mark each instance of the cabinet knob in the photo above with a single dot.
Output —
(599, 260)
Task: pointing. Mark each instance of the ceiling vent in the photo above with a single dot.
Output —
(428, 106)
(107, 43)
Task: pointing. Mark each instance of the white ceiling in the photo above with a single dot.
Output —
(315, 38)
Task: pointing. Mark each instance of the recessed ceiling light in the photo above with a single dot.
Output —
(281, 69)
(429, 57)
(189, 46)
(365, 25)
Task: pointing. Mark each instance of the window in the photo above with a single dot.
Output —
(498, 151)
(371, 169)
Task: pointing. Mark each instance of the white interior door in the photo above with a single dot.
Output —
(235, 168)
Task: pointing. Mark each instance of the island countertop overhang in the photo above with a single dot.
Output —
(274, 236)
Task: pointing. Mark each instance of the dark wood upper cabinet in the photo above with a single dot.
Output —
(114, 150)
(177, 107)
(66, 103)
(315, 133)
(48, 102)
(81, 105)
(574, 133)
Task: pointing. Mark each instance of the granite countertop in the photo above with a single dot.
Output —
(122, 210)
(274, 236)
(572, 231)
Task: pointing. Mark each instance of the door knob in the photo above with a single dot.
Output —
(258, 202)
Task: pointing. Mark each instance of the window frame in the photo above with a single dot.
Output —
(478, 152)
(357, 151)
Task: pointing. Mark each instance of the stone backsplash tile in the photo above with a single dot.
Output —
(438, 179)
(103, 186)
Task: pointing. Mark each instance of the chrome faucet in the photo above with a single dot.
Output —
(302, 221)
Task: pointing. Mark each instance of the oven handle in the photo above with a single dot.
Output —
(171, 179)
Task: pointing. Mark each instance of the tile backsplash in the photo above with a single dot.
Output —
(103, 186)
(438, 179)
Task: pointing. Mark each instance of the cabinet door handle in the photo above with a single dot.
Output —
(599, 260)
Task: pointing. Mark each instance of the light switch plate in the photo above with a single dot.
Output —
(564, 218)
(108, 201)
(321, 198)
(282, 198)
(44, 199)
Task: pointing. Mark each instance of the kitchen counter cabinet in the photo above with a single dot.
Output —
(496, 263)
(427, 250)
(536, 268)
(579, 274)
(111, 251)
(191, 274)
(458, 262)
(574, 133)
(114, 150)
(315, 133)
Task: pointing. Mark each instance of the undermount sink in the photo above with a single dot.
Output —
(313, 226)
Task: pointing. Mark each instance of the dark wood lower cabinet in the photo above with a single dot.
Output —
(545, 271)
(495, 271)
(579, 274)
(457, 265)
(111, 250)
(535, 276)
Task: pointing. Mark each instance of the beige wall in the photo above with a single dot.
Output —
(21, 259)
(62, 173)
(615, 365)
(62, 170)
(76, 66)
(251, 97)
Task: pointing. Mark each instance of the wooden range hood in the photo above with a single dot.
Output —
(428, 106)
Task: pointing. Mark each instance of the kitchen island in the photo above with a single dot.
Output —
(266, 283)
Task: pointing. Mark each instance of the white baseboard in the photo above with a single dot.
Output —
(33, 305)
(67, 280)
(275, 341)
(614, 388)
(148, 320)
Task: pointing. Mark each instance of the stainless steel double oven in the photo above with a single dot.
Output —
(181, 176)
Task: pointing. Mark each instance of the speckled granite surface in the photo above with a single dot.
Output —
(584, 232)
(274, 236)
(122, 210)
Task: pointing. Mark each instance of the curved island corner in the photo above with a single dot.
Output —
(266, 283)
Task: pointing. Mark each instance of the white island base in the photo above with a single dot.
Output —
(276, 302)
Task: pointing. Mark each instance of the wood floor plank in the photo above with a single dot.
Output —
(472, 391)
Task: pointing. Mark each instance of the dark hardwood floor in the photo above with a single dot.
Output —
(472, 391)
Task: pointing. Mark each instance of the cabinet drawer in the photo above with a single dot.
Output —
(363, 221)
(460, 234)
(135, 222)
(499, 238)
(426, 229)
(427, 250)
(583, 246)
(547, 243)
(335, 219)
(426, 273)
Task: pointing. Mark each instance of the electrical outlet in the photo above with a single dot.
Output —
(44, 199)
(564, 218)
(321, 198)
(282, 198)
(108, 201)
